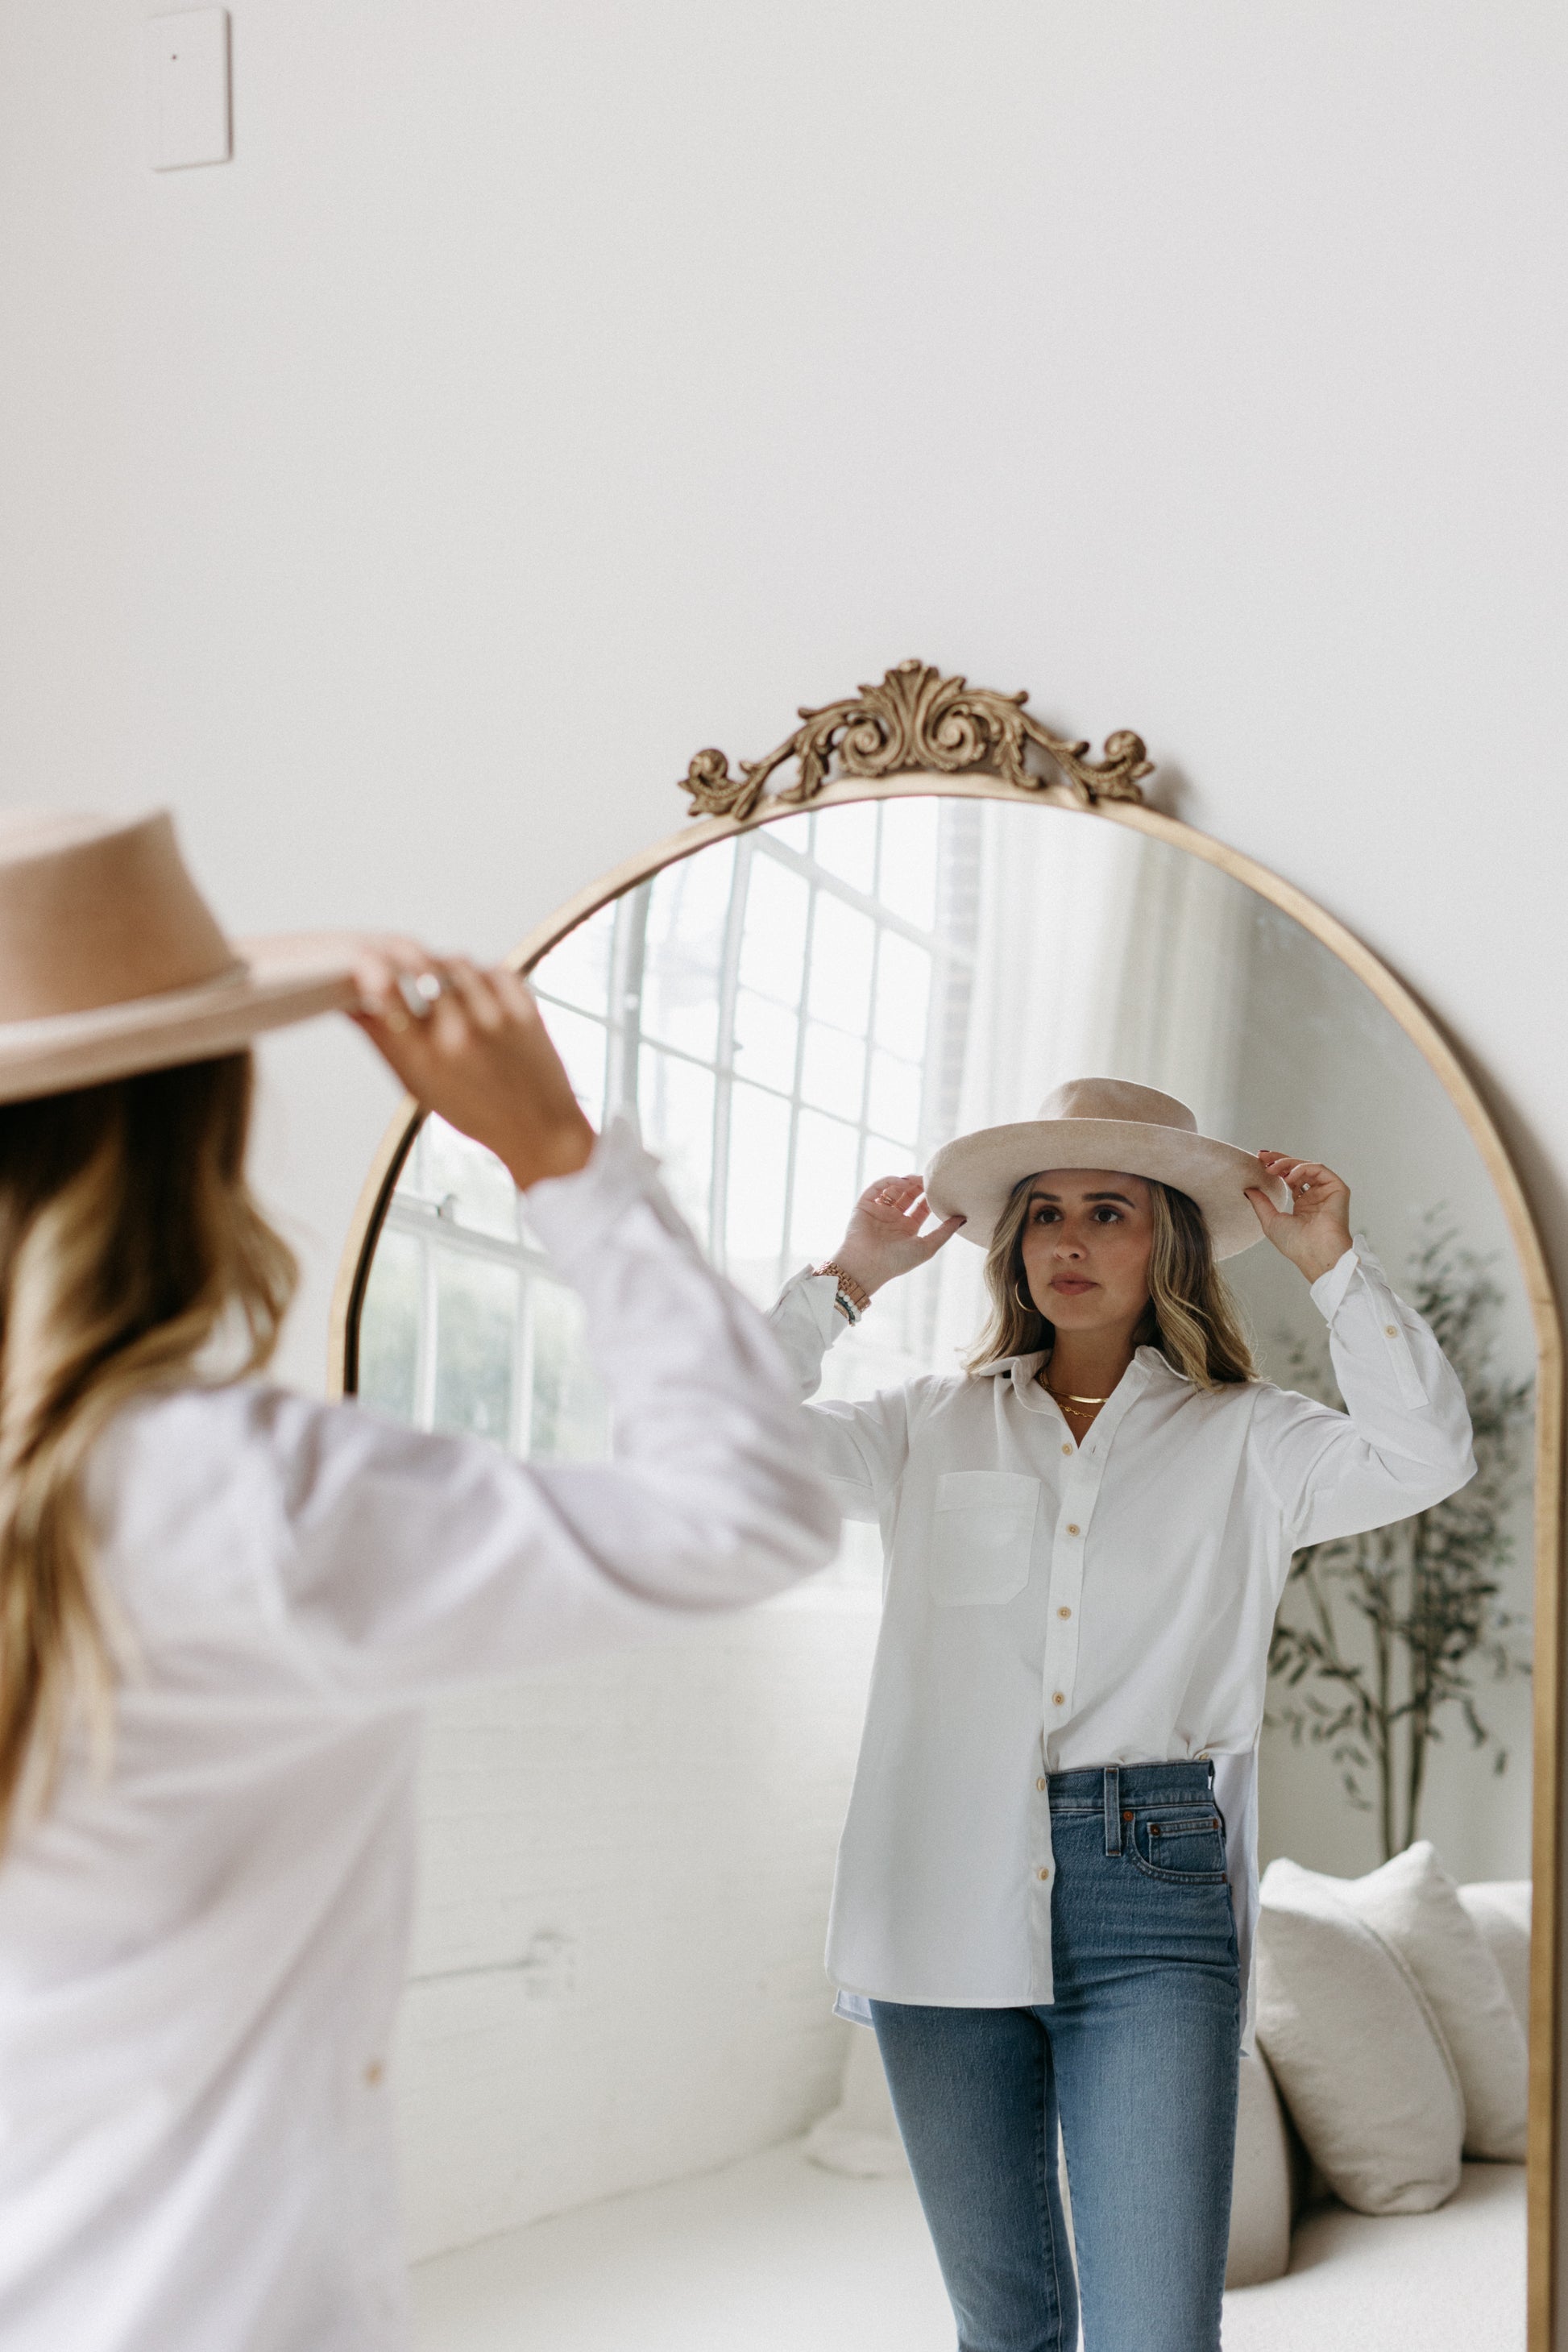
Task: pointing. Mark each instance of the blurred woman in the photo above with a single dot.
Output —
(221, 1606)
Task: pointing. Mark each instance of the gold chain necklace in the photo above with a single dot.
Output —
(1068, 1401)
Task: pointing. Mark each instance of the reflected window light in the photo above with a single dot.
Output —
(833, 1070)
(756, 1190)
(794, 832)
(826, 1181)
(842, 950)
(884, 1156)
(389, 1326)
(675, 1108)
(577, 968)
(847, 846)
(893, 1097)
(683, 951)
(907, 876)
(903, 997)
(773, 941)
(764, 1008)
(765, 1041)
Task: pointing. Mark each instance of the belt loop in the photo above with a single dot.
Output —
(1113, 1808)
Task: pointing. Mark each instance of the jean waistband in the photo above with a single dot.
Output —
(1182, 1782)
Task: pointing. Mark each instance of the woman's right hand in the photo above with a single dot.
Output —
(480, 1056)
(884, 1237)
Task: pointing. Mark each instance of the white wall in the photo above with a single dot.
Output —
(545, 391)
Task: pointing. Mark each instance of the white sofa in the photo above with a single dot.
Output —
(1448, 2281)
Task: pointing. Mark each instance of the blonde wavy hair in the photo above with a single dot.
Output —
(129, 1241)
(1191, 1317)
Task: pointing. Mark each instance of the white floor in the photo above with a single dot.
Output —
(775, 2255)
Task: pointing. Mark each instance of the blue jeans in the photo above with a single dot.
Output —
(1137, 2056)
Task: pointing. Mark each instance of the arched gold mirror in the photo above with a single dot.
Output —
(617, 1993)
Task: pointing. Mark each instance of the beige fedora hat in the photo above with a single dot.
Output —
(1104, 1123)
(111, 960)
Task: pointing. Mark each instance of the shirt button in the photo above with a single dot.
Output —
(1044, 1874)
(1059, 1698)
(1067, 1449)
(1039, 1784)
(1064, 1613)
(1072, 1526)
(1392, 1329)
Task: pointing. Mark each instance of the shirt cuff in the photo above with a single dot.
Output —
(1328, 1292)
(573, 1214)
(818, 1291)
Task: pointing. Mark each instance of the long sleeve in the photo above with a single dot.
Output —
(859, 1447)
(413, 1560)
(1404, 1441)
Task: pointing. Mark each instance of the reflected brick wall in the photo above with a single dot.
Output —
(617, 1974)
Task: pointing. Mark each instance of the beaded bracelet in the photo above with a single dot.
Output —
(853, 1297)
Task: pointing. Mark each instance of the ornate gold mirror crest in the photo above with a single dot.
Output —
(918, 718)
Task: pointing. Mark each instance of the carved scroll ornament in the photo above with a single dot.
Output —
(918, 718)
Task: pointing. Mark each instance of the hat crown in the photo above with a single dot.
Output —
(1118, 1098)
(96, 911)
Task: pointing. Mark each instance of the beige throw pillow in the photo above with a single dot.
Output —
(1415, 1905)
(1501, 1909)
(1355, 2049)
(1262, 2200)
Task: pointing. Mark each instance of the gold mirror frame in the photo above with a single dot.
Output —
(919, 731)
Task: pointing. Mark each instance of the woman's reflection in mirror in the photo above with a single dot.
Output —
(1046, 1883)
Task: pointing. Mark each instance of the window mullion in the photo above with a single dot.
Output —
(724, 1055)
(425, 1375)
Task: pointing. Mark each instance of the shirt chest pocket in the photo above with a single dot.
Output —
(982, 1532)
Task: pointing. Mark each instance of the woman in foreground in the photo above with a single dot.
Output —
(1087, 1535)
(221, 1606)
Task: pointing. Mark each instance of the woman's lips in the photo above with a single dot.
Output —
(1072, 1285)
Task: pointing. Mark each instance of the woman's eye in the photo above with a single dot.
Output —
(1106, 1215)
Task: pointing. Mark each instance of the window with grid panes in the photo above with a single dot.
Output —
(778, 1009)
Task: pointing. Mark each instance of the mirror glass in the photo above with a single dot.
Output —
(618, 1991)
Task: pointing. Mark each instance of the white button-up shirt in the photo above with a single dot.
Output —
(201, 1953)
(1050, 1606)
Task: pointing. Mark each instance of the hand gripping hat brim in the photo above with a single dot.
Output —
(111, 962)
(1112, 1124)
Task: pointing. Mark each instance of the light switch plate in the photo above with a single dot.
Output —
(187, 89)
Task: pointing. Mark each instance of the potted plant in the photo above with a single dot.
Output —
(1382, 1637)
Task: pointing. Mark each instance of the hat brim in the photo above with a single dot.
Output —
(975, 1176)
(287, 978)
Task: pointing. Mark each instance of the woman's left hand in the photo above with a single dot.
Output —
(1318, 1235)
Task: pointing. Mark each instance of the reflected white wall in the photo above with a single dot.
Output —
(1325, 1072)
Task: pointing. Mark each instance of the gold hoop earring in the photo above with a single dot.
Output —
(1027, 1305)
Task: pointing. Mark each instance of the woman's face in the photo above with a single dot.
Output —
(1087, 1238)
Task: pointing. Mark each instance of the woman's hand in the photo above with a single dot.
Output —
(884, 1238)
(1318, 1235)
(481, 1055)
